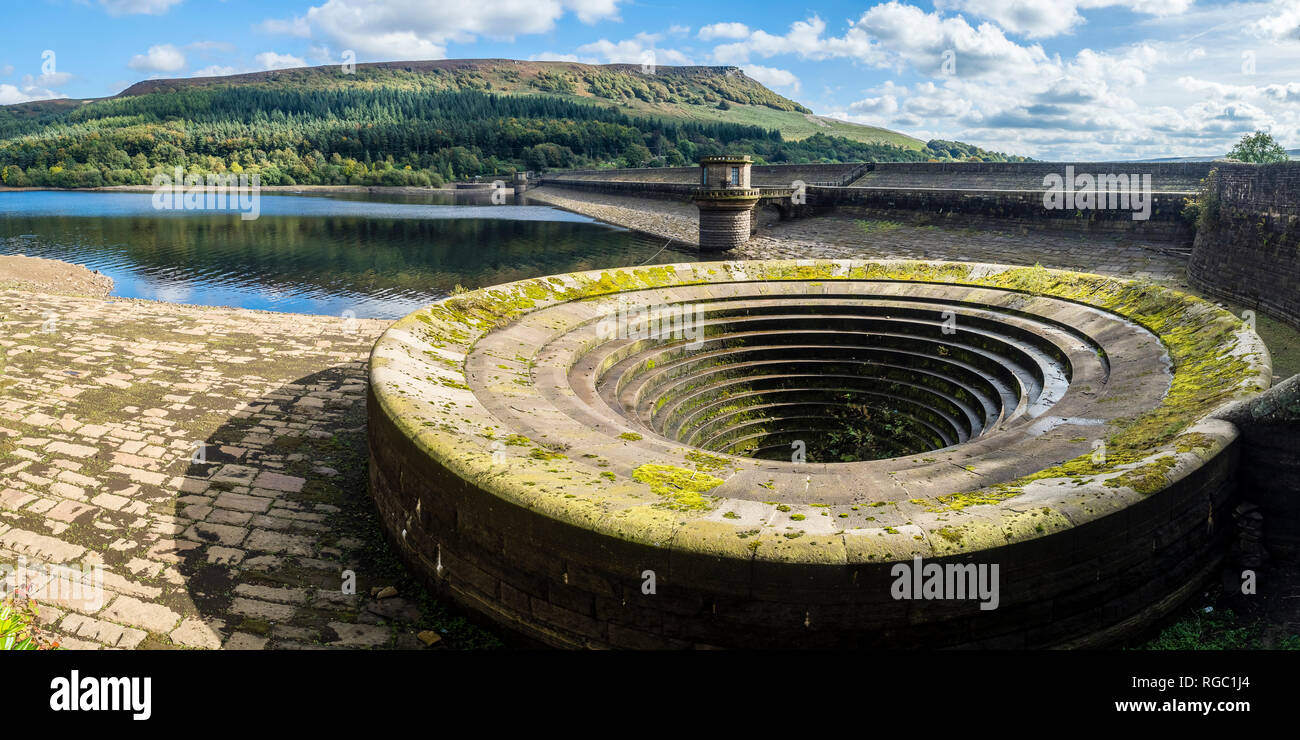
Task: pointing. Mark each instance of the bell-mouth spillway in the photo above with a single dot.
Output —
(766, 439)
(859, 375)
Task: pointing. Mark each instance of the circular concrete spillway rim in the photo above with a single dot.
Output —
(461, 378)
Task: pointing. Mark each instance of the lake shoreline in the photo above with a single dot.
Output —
(410, 253)
(276, 189)
(53, 277)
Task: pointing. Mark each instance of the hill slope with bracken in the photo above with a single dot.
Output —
(681, 93)
(417, 123)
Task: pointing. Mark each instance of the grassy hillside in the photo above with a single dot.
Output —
(423, 122)
(676, 93)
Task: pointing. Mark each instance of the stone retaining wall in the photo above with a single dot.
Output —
(1248, 249)
(571, 587)
(1269, 476)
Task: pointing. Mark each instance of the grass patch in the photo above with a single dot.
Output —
(1217, 630)
(20, 627)
(877, 227)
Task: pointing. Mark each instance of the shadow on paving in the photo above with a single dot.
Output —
(282, 518)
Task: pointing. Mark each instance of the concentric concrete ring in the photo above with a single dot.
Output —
(639, 457)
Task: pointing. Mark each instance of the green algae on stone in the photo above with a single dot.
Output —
(1146, 479)
(705, 462)
(683, 488)
(1193, 442)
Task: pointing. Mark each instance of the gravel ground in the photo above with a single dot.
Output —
(40, 275)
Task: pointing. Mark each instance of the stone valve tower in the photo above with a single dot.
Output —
(726, 202)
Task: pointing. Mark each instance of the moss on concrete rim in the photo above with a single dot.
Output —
(1216, 360)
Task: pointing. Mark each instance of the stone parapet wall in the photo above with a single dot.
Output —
(1179, 177)
(767, 175)
(1024, 207)
(657, 190)
(1165, 176)
(1248, 247)
(938, 193)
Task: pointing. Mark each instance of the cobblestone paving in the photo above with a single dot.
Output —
(837, 237)
(103, 407)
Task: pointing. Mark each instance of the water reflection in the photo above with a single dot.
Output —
(377, 256)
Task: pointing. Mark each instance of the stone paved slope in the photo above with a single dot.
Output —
(102, 407)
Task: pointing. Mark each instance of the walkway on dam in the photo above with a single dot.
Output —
(843, 236)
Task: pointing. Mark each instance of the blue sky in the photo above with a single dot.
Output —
(1052, 79)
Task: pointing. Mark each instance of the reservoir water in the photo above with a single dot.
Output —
(375, 256)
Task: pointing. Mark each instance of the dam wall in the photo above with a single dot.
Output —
(1144, 199)
(1247, 248)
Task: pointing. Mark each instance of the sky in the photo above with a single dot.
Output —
(1049, 79)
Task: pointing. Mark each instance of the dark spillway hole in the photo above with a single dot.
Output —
(842, 384)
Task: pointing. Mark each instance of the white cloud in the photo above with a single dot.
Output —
(1044, 18)
(551, 56)
(160, 58)
(724, 31)
(138, 7)
(638, 50)
(893, 35)
(1282, 24)
(921, 39)
(773, 77)
(298, 27)
(1281, 93)
(272, 60)
(216, 70)
(49, 79)
(1033, 18)
(593, 11)
(420, 29)
(805, 40)
(10, 94)
(205, 46)
(884, 102)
